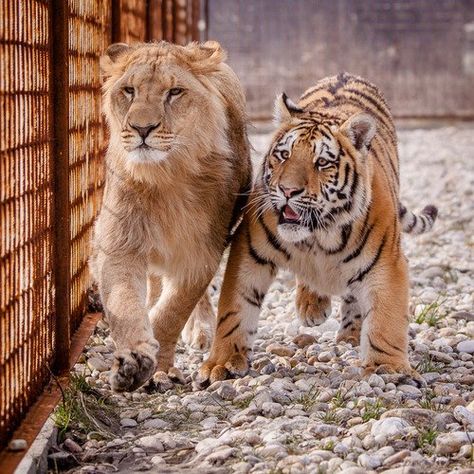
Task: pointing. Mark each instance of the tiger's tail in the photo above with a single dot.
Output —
(417, 223)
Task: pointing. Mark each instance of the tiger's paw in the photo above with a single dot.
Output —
(404, 370)
(237, 365)
(350, 334)
(311, 308)
(132, 368)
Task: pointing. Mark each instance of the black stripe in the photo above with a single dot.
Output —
(273, 240)
(256, 299)
(346, 232)
(412, 225)
(362, 273)
(377, 348)
(345, 326)
(232, 330)
(361, 246)
(258, 258)
(226, 315)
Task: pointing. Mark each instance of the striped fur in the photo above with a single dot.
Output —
(325, 206)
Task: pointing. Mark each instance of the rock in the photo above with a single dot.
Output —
(144, 414)
(448, 443)
(466, 346)
(464, 416)
(226, 391)
(207, 445)
(396, 458)
(369, 461)
(151, 443)
(390, 427)
(376, 381)
(280, 350)
(157, 460)
(414, 416)
(221, 455)
(17, 444)
(304, 340)
(72, 446)
(463, 315)
(272, 409)
(128, 423)
(61, 461)
(325, 356)
(323, 430)
(96, 363)
(156, 423)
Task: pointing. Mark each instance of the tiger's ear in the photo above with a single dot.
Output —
(285, 109)
(360, 129)
(108, 62)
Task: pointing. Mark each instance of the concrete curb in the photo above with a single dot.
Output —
(35, 460)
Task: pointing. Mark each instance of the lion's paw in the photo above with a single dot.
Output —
(133, 367)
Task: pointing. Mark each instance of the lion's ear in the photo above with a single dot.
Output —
(205, 57)
(112, 54)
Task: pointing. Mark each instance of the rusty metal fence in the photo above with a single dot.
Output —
(52, 144)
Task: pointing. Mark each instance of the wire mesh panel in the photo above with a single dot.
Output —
(133, 20)
(26, 319)
(89, 36)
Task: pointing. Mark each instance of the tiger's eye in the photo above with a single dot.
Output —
(285, 154)
(322, 162)
(129, 90)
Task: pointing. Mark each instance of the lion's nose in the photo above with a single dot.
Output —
(290, 192)
(144, 131)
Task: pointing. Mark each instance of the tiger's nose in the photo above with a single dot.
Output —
(144, 131)
(290, 192)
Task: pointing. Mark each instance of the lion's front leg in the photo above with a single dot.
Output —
(122, 283)
(170, 314)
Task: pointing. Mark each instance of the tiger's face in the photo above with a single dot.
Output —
(316, 174)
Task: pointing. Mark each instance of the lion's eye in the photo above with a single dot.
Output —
(129, 91)
(285, 154)
(322, 162)
(175, 91)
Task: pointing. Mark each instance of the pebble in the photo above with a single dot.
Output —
(128, 423)
(304, 340)
(17, 444)
(390, 427)
(272, 409)
(464, 416)
(227, 392)
(151, 443)
(96, 363)
(466, 346)
(280, 350)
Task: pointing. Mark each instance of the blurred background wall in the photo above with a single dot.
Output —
(420, 52)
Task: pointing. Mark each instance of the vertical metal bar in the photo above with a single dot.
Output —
(60, 167)
(195, 17)
(116, 21)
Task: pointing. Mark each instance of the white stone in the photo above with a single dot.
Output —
(207, 445)
(390, 427)
(272, 409)
(448, 443)
(464, 416)
(151, 443)
(466, 346)
(128, 423)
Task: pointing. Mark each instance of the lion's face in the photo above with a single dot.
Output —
(157, 105)
(315, 174)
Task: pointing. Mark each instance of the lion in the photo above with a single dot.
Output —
(177, 174)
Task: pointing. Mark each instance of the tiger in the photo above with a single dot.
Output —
(325, 205)
(177, 166)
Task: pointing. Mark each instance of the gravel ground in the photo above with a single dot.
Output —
(304, 407)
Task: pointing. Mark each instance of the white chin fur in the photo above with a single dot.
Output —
(144, 156)
(293, 233)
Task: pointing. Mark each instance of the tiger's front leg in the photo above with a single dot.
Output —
(311, 307)
(247, 278)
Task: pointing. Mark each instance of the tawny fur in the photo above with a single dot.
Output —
(325, 206)
(168, 206)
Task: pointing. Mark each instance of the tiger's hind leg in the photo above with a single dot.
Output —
(312, 309)
(351, 321)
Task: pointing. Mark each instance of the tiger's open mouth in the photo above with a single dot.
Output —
(289, 216)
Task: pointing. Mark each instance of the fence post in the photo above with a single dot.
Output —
(116, 29)
(60, 165)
